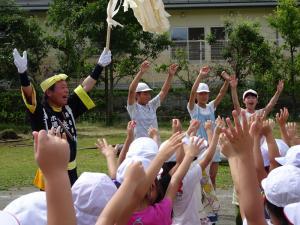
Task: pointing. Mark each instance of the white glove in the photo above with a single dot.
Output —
(105, 58)
(20, 62)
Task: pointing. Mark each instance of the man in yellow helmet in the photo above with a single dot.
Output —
(59, 108)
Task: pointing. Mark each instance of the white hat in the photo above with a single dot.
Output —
(8, 219)
(281, 186)
(282, 147)
(142, 87)
(122, 168)
(91, 192)
(250, 91)
(292, 212)
(202, 88)
(292, 157)
(30, 209)
(143, 149)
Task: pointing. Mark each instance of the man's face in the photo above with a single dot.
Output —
(59, 95)
(202, 97)
(250, 101)
(143, 97)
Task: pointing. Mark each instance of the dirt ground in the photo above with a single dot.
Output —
(226, 213)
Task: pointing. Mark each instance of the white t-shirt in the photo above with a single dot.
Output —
(144, 115)
(186, 204)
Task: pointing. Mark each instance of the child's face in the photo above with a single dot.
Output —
(250, 101)
(152, 193)
(143, 97)
(202, 97)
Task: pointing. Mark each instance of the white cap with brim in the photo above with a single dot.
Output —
(29, 209)
(142, 87)
(281, 186)
(250, 91)
(8, 219)
(203, 88)
(91, 192)
(292, 157)
(292, 213)
(282, 147)
(52, 80)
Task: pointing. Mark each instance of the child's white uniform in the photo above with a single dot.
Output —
(188, 199)
(144, 115)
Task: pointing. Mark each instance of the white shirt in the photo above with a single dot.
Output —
(186, 204)
(144, 115)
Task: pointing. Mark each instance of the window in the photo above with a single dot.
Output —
(190, 40)
(218, 46)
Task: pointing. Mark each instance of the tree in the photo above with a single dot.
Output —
(19, 31)
(82, 35)
(245, 49)
(286, 20)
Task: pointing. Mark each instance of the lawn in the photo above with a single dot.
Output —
(17, 165)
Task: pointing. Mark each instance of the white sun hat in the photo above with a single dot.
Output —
(143, 149)
(282, 147)
(8, 219)
(292, 157)
(142, 87)
(91, 192)
(203, 88)
(292, 212)
(250, 91)
(281, 186)
(29, 209)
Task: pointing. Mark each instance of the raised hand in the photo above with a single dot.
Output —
(204, 71)
(51, 153)
(106, 149)
(130, 128)
(20, 61)
(145, 66)
(193, 148)
(220, 122)
(208, 125)
(233, 81)
(256, 124)
(291, 128)
(239, 136)
(267, 127)
(172, 144)
(226, 76)
(282, 117)
(105, 58)
(173, 69)
(193, 128)
(280, 86)
(176, 126)
(153, 133)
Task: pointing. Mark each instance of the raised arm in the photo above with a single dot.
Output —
(256, 123)
(202, 74)
(273, 150)
(21, 64)
(121, 204)
(191, 150)
(165, 88)
(274, 99)
(281, 119)
(129, 138)
(237, 147)
(109, 152)
(52, 155)
(132, 88)
(223, 89)
(234, 95)
(209, 153)
(90, 81)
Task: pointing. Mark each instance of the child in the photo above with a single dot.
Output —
(140, 106)
(204, 111)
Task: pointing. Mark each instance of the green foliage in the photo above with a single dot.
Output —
(19, 31)
(245, 49)
(286, 20)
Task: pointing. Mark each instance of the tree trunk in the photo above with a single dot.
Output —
(292, 79)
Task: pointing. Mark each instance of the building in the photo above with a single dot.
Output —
(193, 20)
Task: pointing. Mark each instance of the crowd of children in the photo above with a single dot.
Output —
(152, 181)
